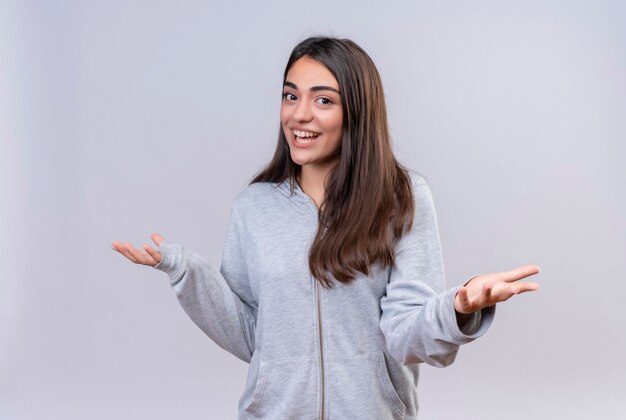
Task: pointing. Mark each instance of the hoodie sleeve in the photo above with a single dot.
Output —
(215, 300)
(418, 317)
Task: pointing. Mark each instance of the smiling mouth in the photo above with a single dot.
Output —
(305, 136)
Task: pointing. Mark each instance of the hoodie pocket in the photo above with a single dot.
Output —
(285, 388)
(359, 387)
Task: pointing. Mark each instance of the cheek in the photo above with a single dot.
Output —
(335, 125)
(335, 135)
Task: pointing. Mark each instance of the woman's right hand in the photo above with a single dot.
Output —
(149, 256)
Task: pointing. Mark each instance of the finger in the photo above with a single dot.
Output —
(464, 302)
(142, 257)
(527, 286)
(119, 247)
(519, 273)
(486, 295)
(157, 239)
(155, 255)
(124, 251)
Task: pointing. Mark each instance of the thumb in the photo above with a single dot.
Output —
(157, 239)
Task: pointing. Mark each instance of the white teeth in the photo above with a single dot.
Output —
(305, 133)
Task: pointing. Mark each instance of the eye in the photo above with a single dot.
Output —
(289, 96)
(324, 101)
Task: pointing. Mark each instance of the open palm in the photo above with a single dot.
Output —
(149, 256)
(486, 290)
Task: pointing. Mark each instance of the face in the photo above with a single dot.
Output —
(311, 114)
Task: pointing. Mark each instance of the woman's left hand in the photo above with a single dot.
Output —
(488, 289)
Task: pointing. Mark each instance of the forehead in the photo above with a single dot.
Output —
(307, 72)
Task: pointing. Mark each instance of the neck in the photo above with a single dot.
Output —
(312, 180)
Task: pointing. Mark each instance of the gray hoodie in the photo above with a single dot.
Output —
(349, 352)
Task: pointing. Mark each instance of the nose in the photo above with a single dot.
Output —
(303, 111)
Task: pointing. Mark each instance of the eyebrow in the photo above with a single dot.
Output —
(313, 89)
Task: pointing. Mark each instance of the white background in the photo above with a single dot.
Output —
(122, 118)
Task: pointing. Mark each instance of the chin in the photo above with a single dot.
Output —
(298, 158)
(298, 161)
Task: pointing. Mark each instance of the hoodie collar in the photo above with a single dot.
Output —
(285, 187)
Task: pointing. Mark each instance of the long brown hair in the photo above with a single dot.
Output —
(368, 198)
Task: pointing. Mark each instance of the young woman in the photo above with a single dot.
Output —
(331, 284)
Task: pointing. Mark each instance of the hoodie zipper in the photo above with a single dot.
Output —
(319, 317)
(319, 330)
